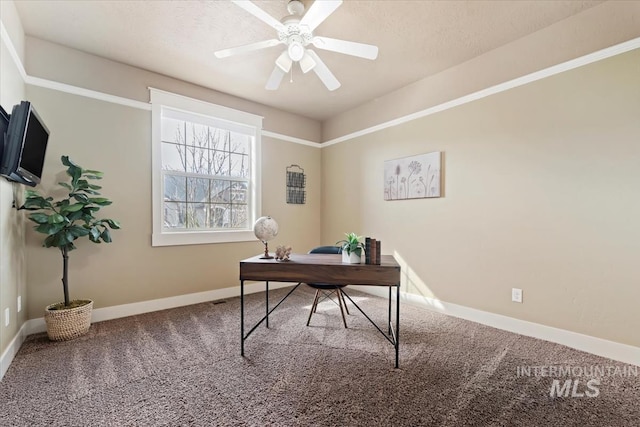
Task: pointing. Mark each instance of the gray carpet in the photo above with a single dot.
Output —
(183, 367)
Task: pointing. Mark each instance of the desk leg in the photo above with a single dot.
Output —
(241, 317)
(397, 323)
(389, 322)
(267, 303)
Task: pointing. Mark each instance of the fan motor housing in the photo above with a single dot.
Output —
(293, 28)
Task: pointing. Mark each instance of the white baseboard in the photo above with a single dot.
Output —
(12, 350)
(598, 346)
(117, 311)
(38, 325)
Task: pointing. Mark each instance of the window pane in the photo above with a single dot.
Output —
(240, 143)
(220, 163)
(197, 190)
(172, 157)
(219, 139)
(197, 160)
(239, 190)
(198, 135)
(220, 215)
(239, 165)
(197, 215)
(172, 130)
(174, 215)
(239, 215)
(175, 189)
(220, 190)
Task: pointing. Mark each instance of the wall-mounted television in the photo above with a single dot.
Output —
(24, 146)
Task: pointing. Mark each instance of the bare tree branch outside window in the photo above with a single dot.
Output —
(206, 178)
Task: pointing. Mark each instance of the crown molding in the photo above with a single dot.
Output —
(520, 81)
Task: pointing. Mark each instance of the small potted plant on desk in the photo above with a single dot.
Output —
(63, 222)
(352, 248)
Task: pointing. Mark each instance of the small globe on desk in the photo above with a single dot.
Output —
(265, 229)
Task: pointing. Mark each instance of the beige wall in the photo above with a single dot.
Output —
(65, 65)
(615, 21)
(117, 140)
(12, 252)
(541, 188)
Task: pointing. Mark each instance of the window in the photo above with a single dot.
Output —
(205, 171)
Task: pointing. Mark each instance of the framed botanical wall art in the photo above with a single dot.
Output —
(414, 177)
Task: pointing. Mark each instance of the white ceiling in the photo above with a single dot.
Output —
(416, 39)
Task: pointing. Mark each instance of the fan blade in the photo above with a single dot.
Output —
(323, 72)
(367, 51)
(225, 53)
(274, 80)
(259, 13)
(318, 12)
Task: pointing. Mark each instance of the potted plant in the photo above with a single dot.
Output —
(352, 248)
(63, 221)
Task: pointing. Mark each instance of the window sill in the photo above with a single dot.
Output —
(177, 238)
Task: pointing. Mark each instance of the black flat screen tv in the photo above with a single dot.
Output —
(25, 145)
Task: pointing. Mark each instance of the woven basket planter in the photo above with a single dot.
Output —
(68, 323)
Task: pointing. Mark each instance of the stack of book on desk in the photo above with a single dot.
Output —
(372, 252)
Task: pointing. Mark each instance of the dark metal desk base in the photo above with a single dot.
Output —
(393, 336)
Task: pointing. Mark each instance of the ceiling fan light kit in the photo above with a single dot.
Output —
(284, 62)
(295, 49)
(307, 63)
(295, 31)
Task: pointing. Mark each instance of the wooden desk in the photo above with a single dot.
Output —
(322, 268)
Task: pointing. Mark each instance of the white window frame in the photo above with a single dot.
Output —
(162, 237)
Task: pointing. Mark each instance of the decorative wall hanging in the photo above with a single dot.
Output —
(412, 177)
(296, 183)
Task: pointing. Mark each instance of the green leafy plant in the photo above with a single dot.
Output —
(72, 217)
(352, 244)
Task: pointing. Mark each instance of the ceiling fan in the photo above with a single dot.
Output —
(296, 33)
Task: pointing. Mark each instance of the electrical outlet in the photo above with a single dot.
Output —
(7, 316)
(516, 295)
(19, 304)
